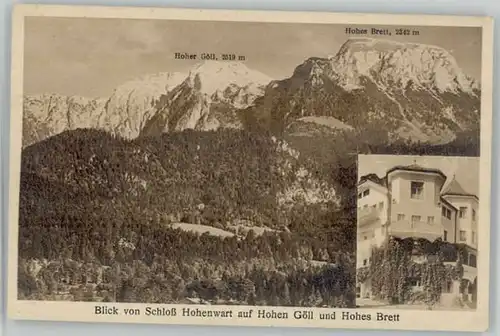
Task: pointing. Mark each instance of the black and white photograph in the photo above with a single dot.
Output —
(211, 163)
(417, 232)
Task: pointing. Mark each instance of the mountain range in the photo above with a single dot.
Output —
(206, 98)
(409, 91)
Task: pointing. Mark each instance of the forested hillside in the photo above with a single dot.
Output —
(103, 218)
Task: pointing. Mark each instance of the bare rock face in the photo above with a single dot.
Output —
(133, 103)
(205, 98)
(49, 114)
(399, 65)
(408, 91)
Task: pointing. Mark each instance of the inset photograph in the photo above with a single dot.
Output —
(417, 232)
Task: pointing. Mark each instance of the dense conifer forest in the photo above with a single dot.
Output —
(96, 215)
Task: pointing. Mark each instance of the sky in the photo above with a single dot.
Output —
(465, 169)
(91, 56)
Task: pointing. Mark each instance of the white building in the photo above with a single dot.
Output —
(416, 202)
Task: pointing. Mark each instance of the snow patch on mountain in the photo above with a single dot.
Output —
(216, 76)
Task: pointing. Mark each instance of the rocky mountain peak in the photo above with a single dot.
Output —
(212, 76)
(395, 90)
(388, 62)
(202, 98)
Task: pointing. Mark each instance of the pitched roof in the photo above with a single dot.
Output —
(416, 168)
(374, 178)
(455, 188)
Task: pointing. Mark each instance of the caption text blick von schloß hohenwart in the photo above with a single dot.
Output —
(269, 314)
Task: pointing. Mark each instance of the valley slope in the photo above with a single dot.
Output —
(114, 212)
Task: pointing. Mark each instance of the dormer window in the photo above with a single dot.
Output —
(417, 190)
(366, 192)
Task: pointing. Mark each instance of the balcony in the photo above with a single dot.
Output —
(409, 229)
(368, 215)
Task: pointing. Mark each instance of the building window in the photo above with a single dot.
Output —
(446, 212)
(462, 212)
(374, 206)
(473, 214)
(365, 238)
(445, 236)
(366, 192)
(360, 195)
(415, 220)
(364, 261)
(472, 260)
(401, 217)
(473, 237)
(430, 220)
(417, 190)
(365, 206)
(381, 205)
(463, 235)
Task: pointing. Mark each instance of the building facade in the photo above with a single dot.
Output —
(416, 202)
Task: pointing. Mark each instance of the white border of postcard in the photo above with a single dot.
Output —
(407, 319)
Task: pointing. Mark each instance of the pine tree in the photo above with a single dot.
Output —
(285, 300)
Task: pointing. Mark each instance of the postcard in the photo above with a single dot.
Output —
(250, 168)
